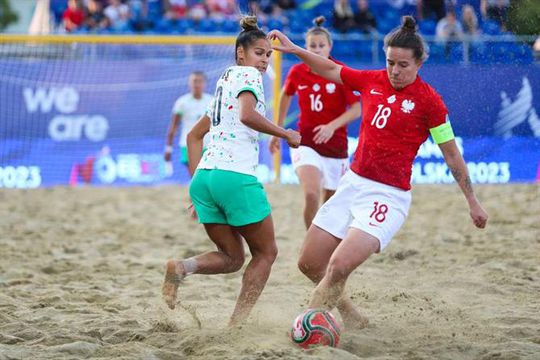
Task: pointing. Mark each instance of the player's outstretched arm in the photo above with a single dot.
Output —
(459, 170)
(195, 142)
(284, 104)
(251, 118)
(321, 65)
(171, 133)
(326, 131)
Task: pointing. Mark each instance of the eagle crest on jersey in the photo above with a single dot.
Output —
(407, 106)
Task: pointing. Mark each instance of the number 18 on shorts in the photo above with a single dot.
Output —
(370, 206)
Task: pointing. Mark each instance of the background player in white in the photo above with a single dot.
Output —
(187, 110)
(227, 197)
(322, 158)
(372, 201)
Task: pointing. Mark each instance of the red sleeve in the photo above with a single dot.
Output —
(351, 96)
(355, 79)
(290, 83)
(437, 112)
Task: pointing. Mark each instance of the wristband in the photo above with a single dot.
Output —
(168, 149)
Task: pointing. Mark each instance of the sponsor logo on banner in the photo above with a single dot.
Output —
(518, 111)
(132, 168)
(435, 171)
(67, 126)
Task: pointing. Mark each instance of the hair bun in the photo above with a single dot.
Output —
(408, 24)
(249, 23)
(319, 20)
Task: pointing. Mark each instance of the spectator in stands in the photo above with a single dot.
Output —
(73, 17)
(138, 14)
(175, 9)
(117, 14)
(496, 10)
(363, 18)
(448, 28)
(430, 9)
(95, 18)
(221, 9)
(469, 20)
(343, 16)
(197, 10)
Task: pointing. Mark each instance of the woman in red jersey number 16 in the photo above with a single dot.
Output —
(322, 158)
(399, 111)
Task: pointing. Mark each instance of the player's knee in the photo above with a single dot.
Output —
(268, 254)
(236, 263)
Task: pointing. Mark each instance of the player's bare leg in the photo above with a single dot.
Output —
(314, 257)
(327, 194)
(261, 241)
(310, 180)
(228, 258)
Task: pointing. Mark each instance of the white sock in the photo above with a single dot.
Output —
(190, 265)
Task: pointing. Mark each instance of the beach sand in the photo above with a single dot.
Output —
(81, 271)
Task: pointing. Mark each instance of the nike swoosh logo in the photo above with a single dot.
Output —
(373, 92)
(302, 87)
(372, 224)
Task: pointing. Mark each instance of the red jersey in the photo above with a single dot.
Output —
(75, 16)
(320, 101)
(394, 125)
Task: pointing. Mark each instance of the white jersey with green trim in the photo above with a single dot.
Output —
(233, 146)
(190, 109)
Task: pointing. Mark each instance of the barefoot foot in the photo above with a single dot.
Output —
(174, 273)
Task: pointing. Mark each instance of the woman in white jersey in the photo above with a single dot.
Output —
(187, 110)
(227, 197)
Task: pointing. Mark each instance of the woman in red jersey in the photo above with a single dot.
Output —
(372, 201)
(322, 157)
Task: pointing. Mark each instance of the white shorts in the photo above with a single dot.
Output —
(332, 169)
(364, 204)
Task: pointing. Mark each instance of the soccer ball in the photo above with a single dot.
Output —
(315, 327)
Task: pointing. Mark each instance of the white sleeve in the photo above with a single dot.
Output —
(250, 79)
(178, 108)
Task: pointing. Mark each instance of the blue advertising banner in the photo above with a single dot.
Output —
(107, 124)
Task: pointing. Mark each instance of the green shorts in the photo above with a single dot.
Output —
(228, 197)
(183, 155)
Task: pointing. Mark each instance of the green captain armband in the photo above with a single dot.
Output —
(442, 133)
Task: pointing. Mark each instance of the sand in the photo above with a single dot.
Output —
(81, 270)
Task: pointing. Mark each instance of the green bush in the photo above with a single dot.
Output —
(524, 17)
(7, 16)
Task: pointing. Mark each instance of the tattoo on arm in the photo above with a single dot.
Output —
(463, 179)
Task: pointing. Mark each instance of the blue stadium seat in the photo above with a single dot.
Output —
(205, 25)
(436, 54)
(230, 26)
(478, 53)
(183, 26)
(491, 28)
(164, 26)
(275, 24)
(296, 26)
(427, 27)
